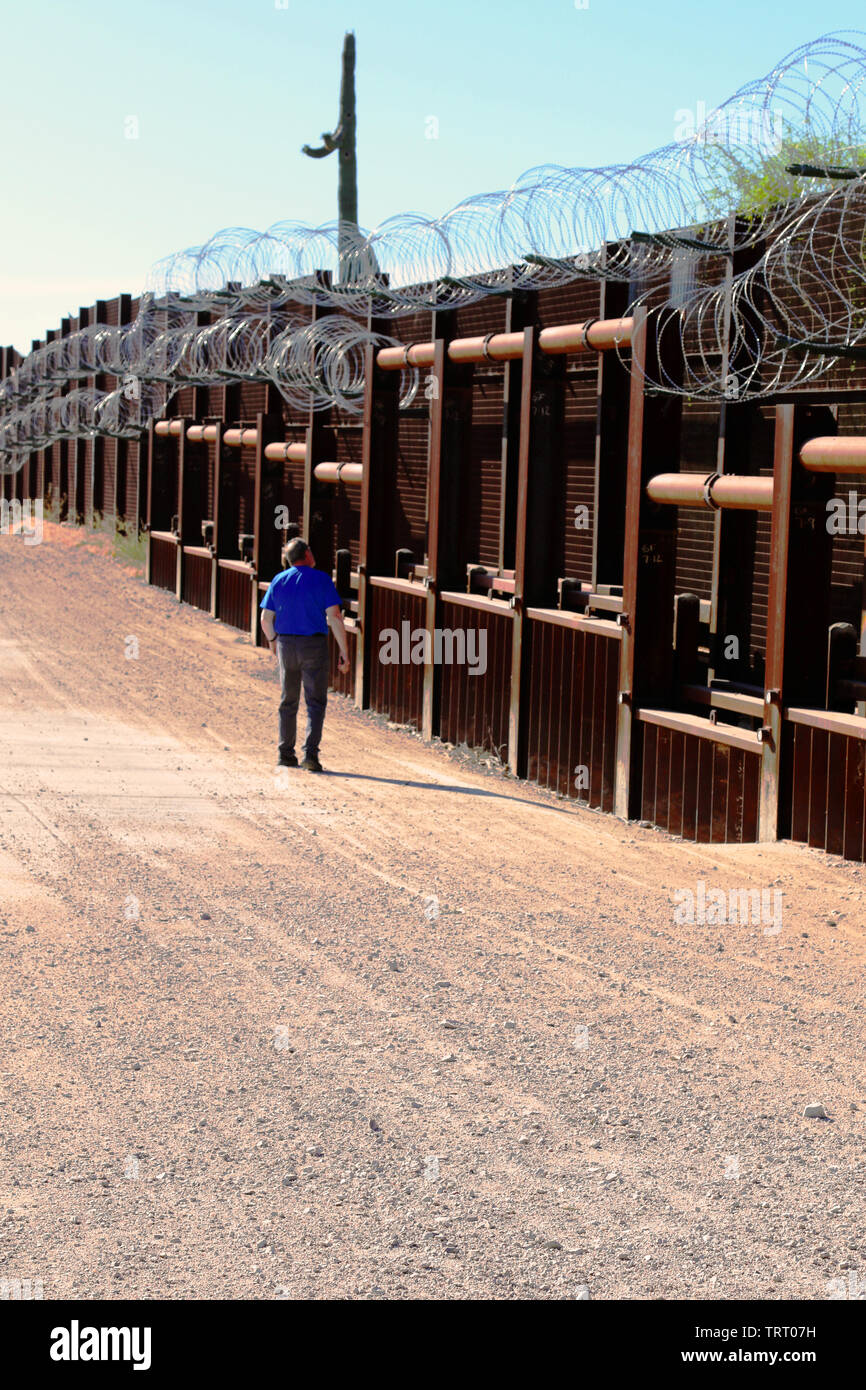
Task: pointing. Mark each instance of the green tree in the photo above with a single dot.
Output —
(753, 184)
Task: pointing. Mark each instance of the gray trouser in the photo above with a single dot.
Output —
(303, 659)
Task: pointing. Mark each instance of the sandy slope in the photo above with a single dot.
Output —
(244, 1058)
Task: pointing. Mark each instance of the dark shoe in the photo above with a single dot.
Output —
(288, 760)
(312, 765)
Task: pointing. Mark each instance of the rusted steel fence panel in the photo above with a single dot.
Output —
(397, 687)
(476, 695)
(197, 576)
(825, 781)
(699, 788)
(235, 589)
(343, 683)
(571, 736)
(163, 562)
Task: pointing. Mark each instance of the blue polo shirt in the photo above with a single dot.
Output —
(298, 598)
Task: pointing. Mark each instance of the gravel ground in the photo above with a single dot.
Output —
(408, 1030)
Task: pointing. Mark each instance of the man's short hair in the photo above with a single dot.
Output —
(296, 550)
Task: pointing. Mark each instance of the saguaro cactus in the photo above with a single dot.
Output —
(343, 140)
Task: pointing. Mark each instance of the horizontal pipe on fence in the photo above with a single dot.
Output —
(498, 347)
(412, 355)
(713, 490)
(201, 434)
(593, 335)
(241, 439)
(279, 452)
(168, 427)
(833, 455)
(339, 472)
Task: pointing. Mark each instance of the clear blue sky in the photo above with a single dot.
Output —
(226, 91)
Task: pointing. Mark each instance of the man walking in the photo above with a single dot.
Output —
(300, 605)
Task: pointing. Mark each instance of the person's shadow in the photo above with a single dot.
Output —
(448, 787)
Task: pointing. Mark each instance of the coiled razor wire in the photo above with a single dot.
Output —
(319, 364)
(793, 315)
(785, 151)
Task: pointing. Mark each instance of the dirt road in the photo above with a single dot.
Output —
(407, 1030)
